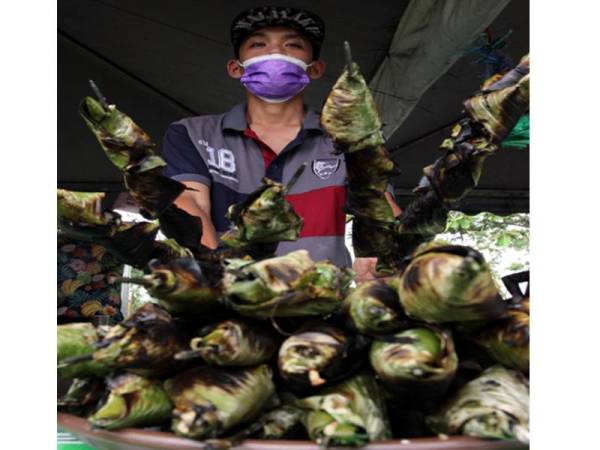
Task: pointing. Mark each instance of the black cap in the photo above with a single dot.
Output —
(305, 22)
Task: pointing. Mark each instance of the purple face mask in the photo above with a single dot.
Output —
(274, 78)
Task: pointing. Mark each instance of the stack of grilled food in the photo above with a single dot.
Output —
(245, 344)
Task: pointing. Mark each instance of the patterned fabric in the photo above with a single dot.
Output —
(84, 288)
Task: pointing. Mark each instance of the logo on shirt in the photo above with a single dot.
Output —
(324, 168)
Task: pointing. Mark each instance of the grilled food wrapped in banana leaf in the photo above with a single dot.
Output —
(232, 342)
(279, 423)
(506, 340)
(351, 413)
(373, 307)
(132, 401)
(154, 192)
(285, 286)
(493, 406)
(83, 394)
(123, 141)
(75, 340)
(350, 114)
(418, 363)
(145, 343)
(449, 283)
(84, 208)
(501, 104)
(371, 168)
(316, 355)
(209, 401)
(184, 286)
(265, 217)
(132, 151)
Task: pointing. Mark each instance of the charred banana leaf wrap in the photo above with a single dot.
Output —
(506, 340)
(351, 413)
(83, 207)
(449, 283)
(265, 217)
(80, 217)
(350, 117)
(145, 343)
(83, 394)
(76, 340)
(184, 286)
(132, 401)
(489, 118)
(131, 150)
(279, 423)
(233, 342)
(494, 405)
(418, 363)
(317, 355)
(209, 401)
(373, 308)
(285, 286)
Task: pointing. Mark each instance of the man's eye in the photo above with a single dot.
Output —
(294, 44)
(257, 44)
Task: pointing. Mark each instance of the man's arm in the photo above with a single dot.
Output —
(197, 203)
(185, 165)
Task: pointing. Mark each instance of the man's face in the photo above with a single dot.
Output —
(282, 40)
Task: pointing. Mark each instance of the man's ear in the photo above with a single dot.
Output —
(234, 70)
(317, 70)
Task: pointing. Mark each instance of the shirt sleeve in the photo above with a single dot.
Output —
(390, 189)
(184, 163)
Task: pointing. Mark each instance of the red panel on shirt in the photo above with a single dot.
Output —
(267, 153)
(322, 211)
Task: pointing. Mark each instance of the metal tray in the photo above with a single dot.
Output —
(138, 439)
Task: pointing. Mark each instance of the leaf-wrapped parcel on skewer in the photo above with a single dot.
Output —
(316, 355)
(131, 150)
(494, 406)
(74, 340)
(418, 364)
(449, 283)
(149, 188)
(500, 105)
(506, 340)
(123, 141)
(370, 168)
(184, 286)
(369, 203)
(209, 401)
(83, 207)
(232, 342)
(350, 114)
(82, 395)
(132, 401)
(145, 343)
(285, 286)
(264, 217)
(351, 413)
(374, 308)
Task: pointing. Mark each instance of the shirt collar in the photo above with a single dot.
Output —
(235, 119)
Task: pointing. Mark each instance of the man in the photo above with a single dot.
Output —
(224, 157)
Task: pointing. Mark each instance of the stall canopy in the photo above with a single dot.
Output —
(160, 61)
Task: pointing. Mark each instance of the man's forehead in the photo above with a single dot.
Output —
(276, 31)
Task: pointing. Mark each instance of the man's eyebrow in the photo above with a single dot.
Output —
(257, 34)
